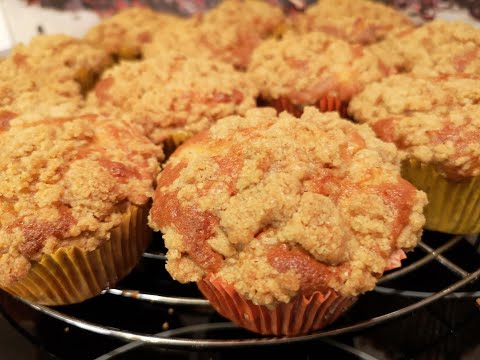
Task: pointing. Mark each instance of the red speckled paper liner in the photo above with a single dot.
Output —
(300, 316)
(72, 275)
(325, 104)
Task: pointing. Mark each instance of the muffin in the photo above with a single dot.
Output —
(124, 34)
(434, 121)
(356, 21)
(75, 198)
(438, 47)
(65, 64)
(173, 96)
(229, 32)
(284, 221)
(22, 96)
(313, 69)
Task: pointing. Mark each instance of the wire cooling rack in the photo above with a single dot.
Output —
(453, 261)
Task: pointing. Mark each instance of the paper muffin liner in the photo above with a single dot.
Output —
(177, 138)
(72, 275)
(453, 206)
(129, 53)
(299, 316)
(324, 104)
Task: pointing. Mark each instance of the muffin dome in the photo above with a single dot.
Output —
(280, 206)
(67, 182)
(173, 95)
(433, 119)
(66, 64)
(355, 21)
(438, 47)
(125, 33)
(304, 69)
(229, 32)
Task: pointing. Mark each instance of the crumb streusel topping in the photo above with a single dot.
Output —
(171, 93)
(60, 62)
(67, 182)
(229, 32)
(438, 47)
(356, 21)
(304, 68)
(434, 120)
(125, 33)
(279, 206)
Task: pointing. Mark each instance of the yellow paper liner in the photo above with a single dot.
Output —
(177, 138)
(301, 315)
(324, 104)
(454, 207)
(72, 275)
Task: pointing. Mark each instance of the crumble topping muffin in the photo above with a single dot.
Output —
(182, 38)
(435, 121)
(66, 64)
(229, 32)
(174, 96)
(438, 47)
(20, 93)
(67, 186)
(125, 33)
(280, 207)
(311, 69)
(355, 21)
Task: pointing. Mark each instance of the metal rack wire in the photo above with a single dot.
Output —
(173, 339)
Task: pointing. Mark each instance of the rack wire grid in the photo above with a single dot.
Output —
(434, 249)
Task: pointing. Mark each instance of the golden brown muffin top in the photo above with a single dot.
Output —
(63, 63)
(434, 120)
(182, 38)
(67, 182)
(229, 32)
(172, 93)
(21, 93)
(304, 68)
(279, 206)
(356, 21)
(126, 32)
(438, 47)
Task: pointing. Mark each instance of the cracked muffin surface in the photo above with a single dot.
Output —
(278, 206)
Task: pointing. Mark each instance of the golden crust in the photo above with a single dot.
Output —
(434, 119)
(67, 182)
(438, 47)
(355, 21)
(23, 95)
(229, 32)
(63, 63)
(256, 197)
(125, 33)
(172, 93)
(304, 68)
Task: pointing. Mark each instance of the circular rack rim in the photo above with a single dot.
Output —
(217, 344)
(166, 340)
